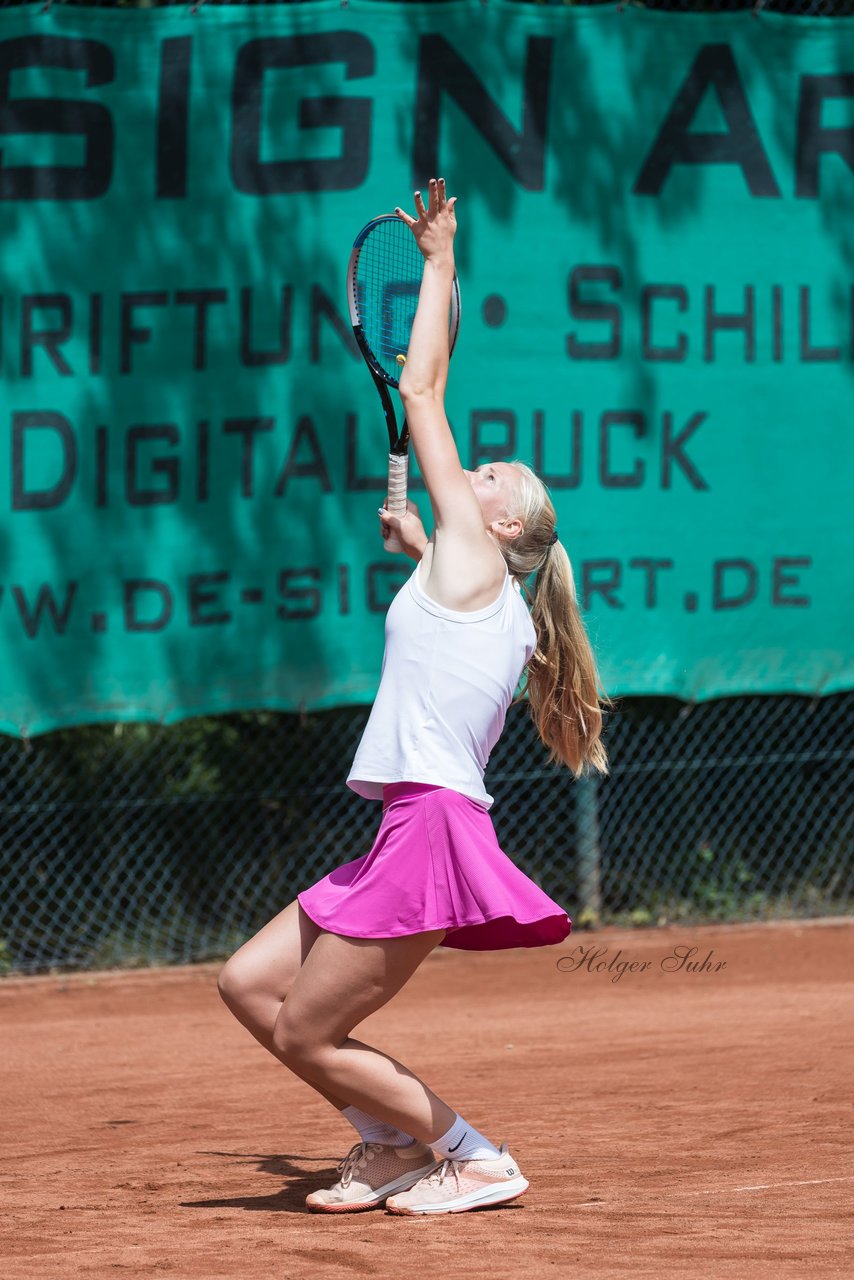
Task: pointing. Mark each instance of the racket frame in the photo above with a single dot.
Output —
(398, 455)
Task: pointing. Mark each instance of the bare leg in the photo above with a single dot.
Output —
(343, 981)
(255, 982)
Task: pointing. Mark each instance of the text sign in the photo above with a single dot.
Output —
(658, 314)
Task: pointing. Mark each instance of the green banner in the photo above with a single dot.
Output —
(656, 259)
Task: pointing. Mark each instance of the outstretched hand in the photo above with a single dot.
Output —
(435, 226)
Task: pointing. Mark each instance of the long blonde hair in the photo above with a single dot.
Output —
(561, 680)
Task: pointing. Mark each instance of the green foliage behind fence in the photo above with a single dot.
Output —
(144, 844)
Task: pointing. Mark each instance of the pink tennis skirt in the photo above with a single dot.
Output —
(436, 864)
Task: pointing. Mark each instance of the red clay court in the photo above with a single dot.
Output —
(671, 1124)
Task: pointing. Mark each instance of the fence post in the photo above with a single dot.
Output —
(589, 853)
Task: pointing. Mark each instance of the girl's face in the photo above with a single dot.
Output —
(493, 484)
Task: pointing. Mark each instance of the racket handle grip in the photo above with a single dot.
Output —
(398, 470)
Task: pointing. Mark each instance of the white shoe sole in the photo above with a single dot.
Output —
(375, 1198)
(498, 1194)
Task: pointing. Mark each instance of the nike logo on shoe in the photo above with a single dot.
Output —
(454, 1148)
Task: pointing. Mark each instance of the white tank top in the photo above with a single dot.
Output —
(447, 681)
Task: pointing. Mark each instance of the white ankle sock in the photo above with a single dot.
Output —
(463, 1142)
(370, 1129)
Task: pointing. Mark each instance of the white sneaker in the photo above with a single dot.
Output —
(370, 1172)
(457, 1185)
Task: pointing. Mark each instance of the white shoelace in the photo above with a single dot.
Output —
(358, 1155)
(447, 1166)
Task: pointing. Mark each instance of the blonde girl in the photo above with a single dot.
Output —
(460, 634)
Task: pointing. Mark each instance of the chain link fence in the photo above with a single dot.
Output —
(134, 844)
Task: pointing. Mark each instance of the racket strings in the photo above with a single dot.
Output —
(387, 284)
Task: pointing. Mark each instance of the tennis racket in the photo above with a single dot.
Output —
(383, 283)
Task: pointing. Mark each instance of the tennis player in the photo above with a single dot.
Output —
(459, 635)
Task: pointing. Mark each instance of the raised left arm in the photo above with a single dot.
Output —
(423, 381)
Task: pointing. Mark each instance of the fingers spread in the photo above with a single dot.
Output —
(438, 202)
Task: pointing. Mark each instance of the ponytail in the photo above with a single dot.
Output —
(561, 680)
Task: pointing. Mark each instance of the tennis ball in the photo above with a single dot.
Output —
(400, 359)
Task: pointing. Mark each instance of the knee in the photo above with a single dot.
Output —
(243, 981)
(293, 1045)
(229, 983)
(237, 982)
